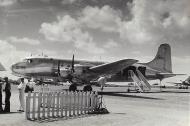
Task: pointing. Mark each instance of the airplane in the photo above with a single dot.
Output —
(65, 69)
(183, 84)
(86, 71)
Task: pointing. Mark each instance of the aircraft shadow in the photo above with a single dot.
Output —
(10, 112)
(131, 96)
(176, 91)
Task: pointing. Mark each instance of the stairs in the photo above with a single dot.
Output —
(140, 81)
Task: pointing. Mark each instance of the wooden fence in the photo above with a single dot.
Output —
(45, 105)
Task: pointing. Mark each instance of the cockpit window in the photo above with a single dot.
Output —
(28, 60)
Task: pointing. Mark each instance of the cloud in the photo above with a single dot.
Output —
(71, 30)
(46, 1)
(60, 31)
(105, 18)
(7, 2)
(151, 21)
(68, 1)
(9, 54)
(68, 30)
(157, 21)
(110, 44)
(24, 40)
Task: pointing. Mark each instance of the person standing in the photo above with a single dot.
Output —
(21, 88)
(1, 108)
(7, 95)
(102, 81)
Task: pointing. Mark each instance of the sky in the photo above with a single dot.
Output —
(101, 30)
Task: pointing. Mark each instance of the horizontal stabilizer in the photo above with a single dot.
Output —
(166, 75)
(114, 67)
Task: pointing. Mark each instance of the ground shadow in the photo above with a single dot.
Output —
(175, 91)
(10, 112)
(53, 119)
(132, 96)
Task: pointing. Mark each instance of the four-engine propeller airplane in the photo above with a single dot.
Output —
(85, 71)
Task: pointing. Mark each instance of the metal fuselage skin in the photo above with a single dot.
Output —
(48, 68)
(159, 68)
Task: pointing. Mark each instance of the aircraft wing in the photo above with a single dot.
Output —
(114, 67)
(2, 68)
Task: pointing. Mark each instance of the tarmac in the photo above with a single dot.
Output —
(171, 107)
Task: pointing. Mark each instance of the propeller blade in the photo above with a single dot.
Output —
(72, 65)
(58, 68)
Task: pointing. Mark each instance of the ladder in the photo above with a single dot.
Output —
(140, 81)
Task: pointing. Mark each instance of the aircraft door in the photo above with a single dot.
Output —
(142, 70)
(126, 73)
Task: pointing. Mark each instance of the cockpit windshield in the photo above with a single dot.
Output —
(27, 60)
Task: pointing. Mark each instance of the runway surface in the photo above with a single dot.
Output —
(168, 108)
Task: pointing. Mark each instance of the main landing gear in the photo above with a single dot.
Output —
(73, 87)
(87, 88)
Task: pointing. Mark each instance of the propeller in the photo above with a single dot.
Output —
(70, 76)
(58, 68)
(72, 64)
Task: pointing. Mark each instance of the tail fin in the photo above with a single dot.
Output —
(162, 61)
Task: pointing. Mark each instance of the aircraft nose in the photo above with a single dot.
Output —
(13, 67)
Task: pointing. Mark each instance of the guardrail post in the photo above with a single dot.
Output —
(28, 99)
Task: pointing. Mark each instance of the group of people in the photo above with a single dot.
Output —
(22, 87)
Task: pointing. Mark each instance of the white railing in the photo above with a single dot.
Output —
(45, 105)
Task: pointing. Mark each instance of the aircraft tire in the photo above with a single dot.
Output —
(72, 87)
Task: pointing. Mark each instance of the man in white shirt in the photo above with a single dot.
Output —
(102, 81)
(21, 88)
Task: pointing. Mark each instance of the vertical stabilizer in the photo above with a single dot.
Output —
(162, 61)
